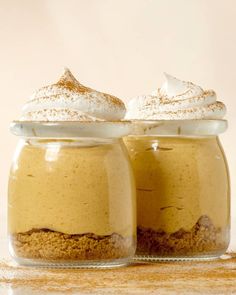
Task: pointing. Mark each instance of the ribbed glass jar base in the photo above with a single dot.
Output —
(203, 257)
(74, 264)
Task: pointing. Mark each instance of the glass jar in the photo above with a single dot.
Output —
(183, 190)
(71, 195)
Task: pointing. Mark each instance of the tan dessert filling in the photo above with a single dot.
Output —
(180, 182)
(68, 201)
(72, 189)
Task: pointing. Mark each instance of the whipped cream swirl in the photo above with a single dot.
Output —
(68, 100)
(176, 100)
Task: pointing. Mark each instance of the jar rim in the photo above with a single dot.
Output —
(118, 129)
(71, 129)
(197, 127)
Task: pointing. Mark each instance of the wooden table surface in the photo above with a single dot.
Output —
(208, 277)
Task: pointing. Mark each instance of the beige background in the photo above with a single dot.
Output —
(117, 46)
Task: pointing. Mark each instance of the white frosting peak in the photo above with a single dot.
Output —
(176, 100)
(68, 100)
(174, 88)
(67, 76)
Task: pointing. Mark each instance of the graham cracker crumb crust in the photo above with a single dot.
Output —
(52, 245)
(203, 238)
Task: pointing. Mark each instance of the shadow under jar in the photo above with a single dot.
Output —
(71, 195)
(183, 191)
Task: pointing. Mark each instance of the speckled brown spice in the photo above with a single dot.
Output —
(70, 83)
(73, 115)
(210, 277)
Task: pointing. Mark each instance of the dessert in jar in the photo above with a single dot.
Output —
(182, 181)
(71, 186)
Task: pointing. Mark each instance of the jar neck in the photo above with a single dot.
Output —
(72, 142)
(192, 137)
